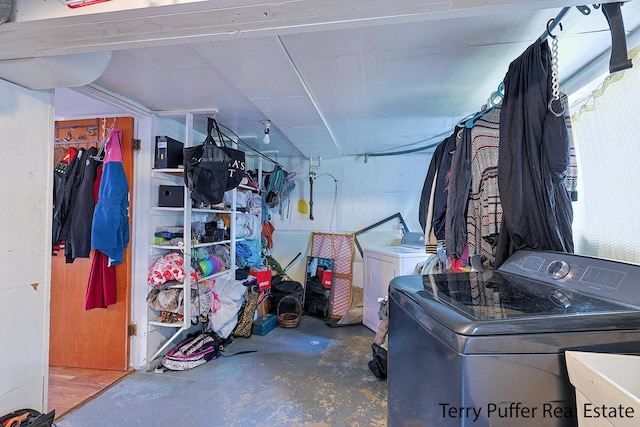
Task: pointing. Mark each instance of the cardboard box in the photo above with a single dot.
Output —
(265, 324)
(263, 275)
(264, 307)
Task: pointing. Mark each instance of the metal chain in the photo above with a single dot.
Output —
(554, 68)
(555, 87)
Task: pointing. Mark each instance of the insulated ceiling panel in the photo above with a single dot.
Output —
(387, 87)
(335, 82)
(263, 71)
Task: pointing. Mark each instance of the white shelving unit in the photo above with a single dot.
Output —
(161, 336)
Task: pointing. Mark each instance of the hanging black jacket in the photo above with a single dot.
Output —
(425, 197)
(63, 179)
(533, 158)
(458, 197)
(443, 181)
(78, 242)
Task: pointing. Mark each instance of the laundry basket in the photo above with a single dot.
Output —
(289, 320)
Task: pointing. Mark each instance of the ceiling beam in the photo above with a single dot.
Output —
(147, 23)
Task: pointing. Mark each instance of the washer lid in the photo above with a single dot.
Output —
(497, 295)
(496, 303)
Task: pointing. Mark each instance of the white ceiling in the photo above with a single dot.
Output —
(365, 86)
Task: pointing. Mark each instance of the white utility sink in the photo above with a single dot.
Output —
(607, 388)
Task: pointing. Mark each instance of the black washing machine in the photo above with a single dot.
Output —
(487, 348)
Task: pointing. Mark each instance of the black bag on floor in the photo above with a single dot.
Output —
(28, 418)
(379, 363)
(282, 288)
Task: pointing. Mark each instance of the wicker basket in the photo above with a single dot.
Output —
(289, 320)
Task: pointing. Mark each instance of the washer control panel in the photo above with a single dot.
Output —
(607, 278)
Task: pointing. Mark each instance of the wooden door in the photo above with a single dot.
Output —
(96, 338)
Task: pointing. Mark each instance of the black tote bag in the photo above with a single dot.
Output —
(211, 169)
(205, 172)
(236, 157)
(236, 170)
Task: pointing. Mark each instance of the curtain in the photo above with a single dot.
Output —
(607, 137)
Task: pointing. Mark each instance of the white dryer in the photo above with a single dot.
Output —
(380, 266)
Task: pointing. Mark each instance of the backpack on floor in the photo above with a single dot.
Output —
(27, 418)
(316, 299)
(194, 351)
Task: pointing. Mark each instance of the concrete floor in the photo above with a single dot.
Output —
(312, 375)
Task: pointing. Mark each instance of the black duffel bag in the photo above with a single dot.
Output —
(281, 288)
(316, 299)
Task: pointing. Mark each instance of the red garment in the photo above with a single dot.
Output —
(96, 184)
(101, 289)
(267, 232)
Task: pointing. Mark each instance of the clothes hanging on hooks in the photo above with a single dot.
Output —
(533, 145)
(425, 206)
(533, 159)
(78, 236)
(441, 189)
(63, 179)
(618, 61)
(458, 197)
(58, 154)
(466, 202)
(74, 175)
(102, 285)
(493, 102)
(484, 209)
(110, 228)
